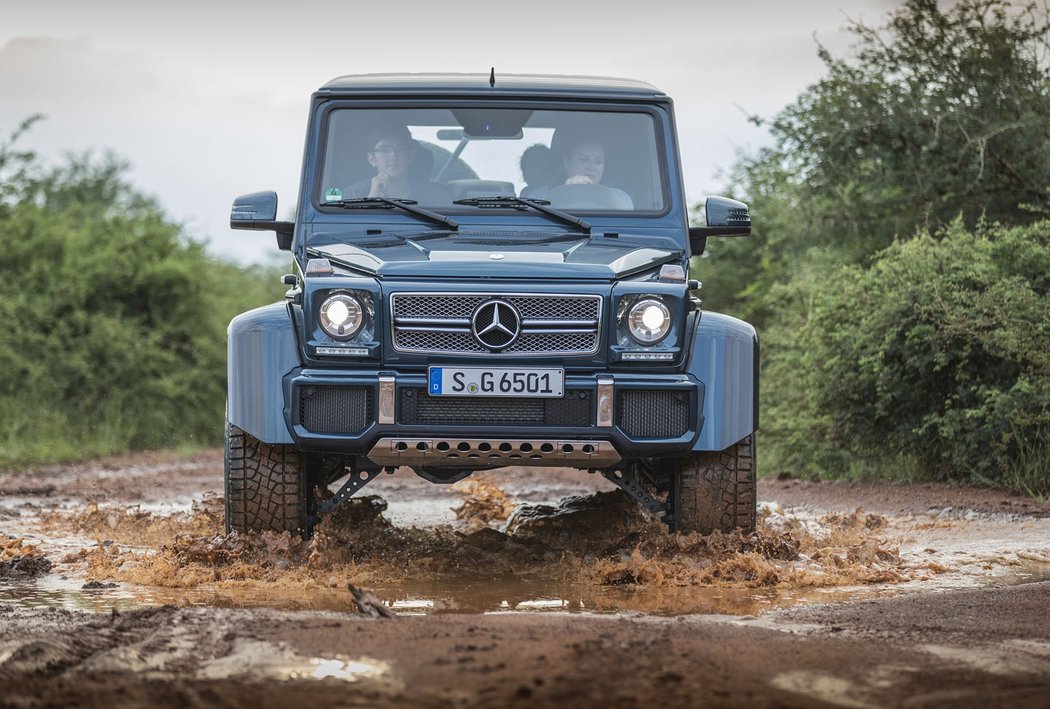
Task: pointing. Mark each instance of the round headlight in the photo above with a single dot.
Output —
(648, 321)
(342, 316)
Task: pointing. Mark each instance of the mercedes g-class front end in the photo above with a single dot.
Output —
(490, 274)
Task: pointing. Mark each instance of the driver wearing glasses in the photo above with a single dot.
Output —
(392, 154)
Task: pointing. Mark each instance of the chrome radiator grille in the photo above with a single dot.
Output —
(549, 324)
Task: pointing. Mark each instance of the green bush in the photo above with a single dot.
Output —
(891, 359)
(938, 354)
(114, 322)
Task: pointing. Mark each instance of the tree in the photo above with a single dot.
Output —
(941, 114)
(114, 321)
(936, 115)
(897, 269)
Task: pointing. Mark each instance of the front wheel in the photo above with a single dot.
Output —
(266, 486)
(716, 490)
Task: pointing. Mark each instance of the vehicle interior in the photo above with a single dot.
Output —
(471, 153)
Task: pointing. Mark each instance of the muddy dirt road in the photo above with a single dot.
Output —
(119, 587)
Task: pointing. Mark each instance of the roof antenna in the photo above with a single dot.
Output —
(492, 77)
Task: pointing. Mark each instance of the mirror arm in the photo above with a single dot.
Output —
(698, 235)
(702, 232)
(284, 230)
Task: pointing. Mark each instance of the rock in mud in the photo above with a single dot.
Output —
(19, 560)
(583, 524)
(488, 539)
(24, 567)
(503, 548)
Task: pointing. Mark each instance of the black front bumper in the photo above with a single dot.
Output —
(652, 415)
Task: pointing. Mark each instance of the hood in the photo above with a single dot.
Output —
(456, 255)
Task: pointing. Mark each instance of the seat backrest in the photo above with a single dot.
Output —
(539, 167)
(422, 166)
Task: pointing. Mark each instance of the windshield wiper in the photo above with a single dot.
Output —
(540, 205)
(407, 205)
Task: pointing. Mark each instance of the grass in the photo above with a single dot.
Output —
(1030, 471)
(36, 435)
(896, 467)
(1027, 474)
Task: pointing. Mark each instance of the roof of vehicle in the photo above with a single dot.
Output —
(473, 84)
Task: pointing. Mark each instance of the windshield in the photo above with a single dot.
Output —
(572, 160)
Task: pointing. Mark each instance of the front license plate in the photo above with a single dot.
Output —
(486, 381)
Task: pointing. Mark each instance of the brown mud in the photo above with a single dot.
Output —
(583, 542)
(143, 538)
(967, 649)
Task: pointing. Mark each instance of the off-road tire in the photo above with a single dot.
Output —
(716, 490)
(266, 486)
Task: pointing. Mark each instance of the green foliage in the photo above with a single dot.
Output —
(948, 118)
(936, 115)
(738, 274)
(888, 351)
(938, 351)
(114, 334)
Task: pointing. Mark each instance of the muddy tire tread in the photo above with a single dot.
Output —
(265, 485)
(716, 490)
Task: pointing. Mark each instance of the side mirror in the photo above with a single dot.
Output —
(725, 217)
(258, 211)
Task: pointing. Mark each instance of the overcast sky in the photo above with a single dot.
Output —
(207, 101)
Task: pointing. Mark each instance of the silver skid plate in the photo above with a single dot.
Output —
(454, 452)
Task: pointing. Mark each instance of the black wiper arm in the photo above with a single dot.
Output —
(407, 205)
(540, 205)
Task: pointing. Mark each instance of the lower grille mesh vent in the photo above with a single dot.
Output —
(335, 409)
(653, 414)
(417, 407)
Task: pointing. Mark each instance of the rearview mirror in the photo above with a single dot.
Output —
(492, 124)
(725, 217)
(258, 211)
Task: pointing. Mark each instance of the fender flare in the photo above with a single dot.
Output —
(261, 351)
(724, 356)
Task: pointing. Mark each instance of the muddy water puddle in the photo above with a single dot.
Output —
(484, 550)
(444, 596)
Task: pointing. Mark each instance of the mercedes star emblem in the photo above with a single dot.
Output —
(496, 324)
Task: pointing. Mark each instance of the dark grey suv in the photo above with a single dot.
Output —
(490, 271)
